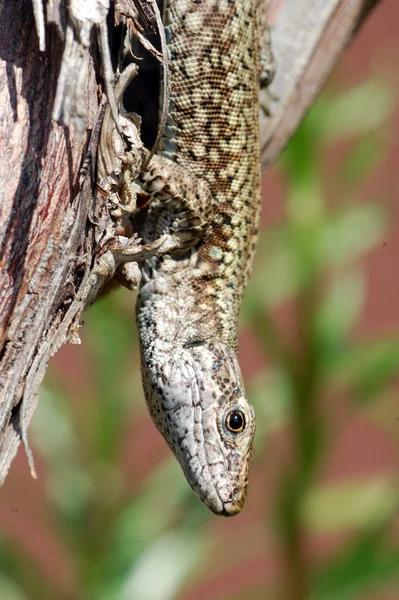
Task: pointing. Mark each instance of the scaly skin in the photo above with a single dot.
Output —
(206, 190)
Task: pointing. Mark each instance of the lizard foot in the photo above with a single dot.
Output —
(120, 258)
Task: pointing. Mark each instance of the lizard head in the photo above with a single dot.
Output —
(203, 412)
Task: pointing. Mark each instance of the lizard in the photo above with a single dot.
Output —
(205, 189)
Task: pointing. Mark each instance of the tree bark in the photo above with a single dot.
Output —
(49, 214)
(46, 247)
(308, 38)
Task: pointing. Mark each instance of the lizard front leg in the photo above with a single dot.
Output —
(185, 200)
(180, 209)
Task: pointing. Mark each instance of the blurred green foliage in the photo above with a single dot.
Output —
(154, 540)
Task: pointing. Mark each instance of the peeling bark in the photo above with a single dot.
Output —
(308, 38)
(47, 239)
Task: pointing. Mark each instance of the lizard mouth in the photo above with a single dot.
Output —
(228, 508)
(218, 492)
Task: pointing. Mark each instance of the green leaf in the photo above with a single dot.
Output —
(367, 368)
(291, 257)
(165, 498)
(362, 160)
(300, 160)
(172, 558)
(363, 109)
(350, 234)
(9, 590)
(354, 504)
(278, 273)
(340, 308)
(110, 333)
(23, 576)
(271, 395)
(54, 436)
(360, 568)
(383, 411)
(52, 428)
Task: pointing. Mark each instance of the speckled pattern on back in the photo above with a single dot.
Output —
(189, 303)
(214, 58)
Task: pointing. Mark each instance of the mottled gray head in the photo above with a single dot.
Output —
(199, 405)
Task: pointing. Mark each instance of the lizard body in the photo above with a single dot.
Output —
(206, 191)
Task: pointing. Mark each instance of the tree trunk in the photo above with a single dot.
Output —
(46, 246)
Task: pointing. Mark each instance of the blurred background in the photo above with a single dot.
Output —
(111, 516)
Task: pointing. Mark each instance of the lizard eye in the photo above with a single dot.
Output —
(235, 421)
